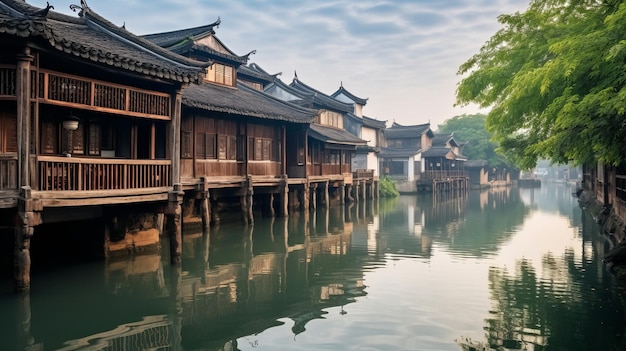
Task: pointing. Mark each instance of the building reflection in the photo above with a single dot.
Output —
(233, 282)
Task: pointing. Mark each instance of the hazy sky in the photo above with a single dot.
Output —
(401, 55)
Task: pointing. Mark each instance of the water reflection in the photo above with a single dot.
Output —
(504, 268)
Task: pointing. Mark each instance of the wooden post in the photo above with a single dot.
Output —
(215, 216)
(349, 191)
(23, 233)
(342, 193)
(175, 199)
(249, 201)
(305, 193)
(325, 197)
(363, 186)
(271, 205)
(313, 199)
(284, 196)
(22, 93)
(174, 136)
(205, 208)
(357, 190)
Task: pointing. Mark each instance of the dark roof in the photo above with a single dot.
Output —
(332, 135)
(439, 151)
(390, 153)
(184, 41)
(244, 101)
(476, 163)
(253, 72)
(321, 99)
(397, 131)
(93, 38)
(344, 91)
(374, 123)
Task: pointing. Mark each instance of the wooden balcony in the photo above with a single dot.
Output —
(441, 175)
(8, 172)
(363, 174)
(84, 174)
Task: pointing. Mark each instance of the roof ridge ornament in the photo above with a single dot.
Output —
(83, 6)
(217, 23)
(43, 12)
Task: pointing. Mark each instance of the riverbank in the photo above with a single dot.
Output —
(613, 227)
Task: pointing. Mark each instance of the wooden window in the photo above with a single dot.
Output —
(77, 138)
(186, 146)
(222, 146)
(241, 146)
(8, 133)
(211, 150)
(94, 139)
(221, 74)
(205, 146)
(232, 147)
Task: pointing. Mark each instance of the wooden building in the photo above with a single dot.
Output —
(330, 148)
(369, 129)
(234, 136)
(89, 118)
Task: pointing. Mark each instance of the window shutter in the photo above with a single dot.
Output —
(232, 147)
(201, 146)
(210, 146)
(94, 139)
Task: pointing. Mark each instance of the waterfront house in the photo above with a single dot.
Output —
(330, 147)
(89, 118)
(234, 136)
(369, 129)
(401, 157)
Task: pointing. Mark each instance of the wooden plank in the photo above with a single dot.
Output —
(97, 193)
(54, 202)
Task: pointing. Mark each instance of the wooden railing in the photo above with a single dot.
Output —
(438, 175)
(363, 174)
(8, 172)
(78, 174)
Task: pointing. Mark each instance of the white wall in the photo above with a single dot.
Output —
(372, 163)
(369, 134)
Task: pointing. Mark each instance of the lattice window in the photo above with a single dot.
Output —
(110, 97)
(68, 89)
(7, 81)
(147, 103)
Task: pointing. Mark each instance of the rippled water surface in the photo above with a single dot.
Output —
(503, 269)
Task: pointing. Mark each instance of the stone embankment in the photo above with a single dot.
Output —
(613, 227)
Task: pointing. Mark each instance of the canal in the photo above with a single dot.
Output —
(502, 269)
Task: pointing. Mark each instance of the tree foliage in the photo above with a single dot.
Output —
(471, 129)
(554, 77)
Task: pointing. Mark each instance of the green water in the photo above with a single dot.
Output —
(508, 269)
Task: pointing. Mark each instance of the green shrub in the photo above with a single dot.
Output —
(388, 187)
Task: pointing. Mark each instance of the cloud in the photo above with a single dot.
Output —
(403, 54)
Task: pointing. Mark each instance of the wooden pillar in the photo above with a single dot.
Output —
(248, 201)
(349, 191)
(325, 197)
(175, 213)
(174, 136)
(215, 216)
(160, 219)
(22, 93)
(284, 196)
(313, 199)
(363, 186)
(342, 193)
(305, 192)
(271, 205)
(376, 184)
(24, 231)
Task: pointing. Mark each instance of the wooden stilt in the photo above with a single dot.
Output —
(342, 193)
(284, 197)
(313, 199)
(175, 213)
(22, 260)
(271, 206)
(305, 192)
(325, 197)
(249, 200)
(349, 192)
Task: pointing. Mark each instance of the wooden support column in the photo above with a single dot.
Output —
(160, 219)
(357, 190)
(215, 216)
(313, 198)
(325, 197)
(305, 194)
(376, 189)
(284, 196)
(175, 213)
(247, 201)
(349, 190)
(363, 186)
(205, 208)
(174, 136)
(371, 186)
(342, 193)
(22, 93)
(24, 231)
(272, 204)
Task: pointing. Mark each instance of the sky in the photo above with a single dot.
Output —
(402, 55)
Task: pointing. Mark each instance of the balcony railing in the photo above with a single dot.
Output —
(79, 174)
(8, 173)
(439, 175)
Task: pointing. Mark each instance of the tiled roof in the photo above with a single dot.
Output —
(183, 41)
(397, 131)
(250, 71)
(439, 151)
(93, 38)
(476, 164)
(374, 123)
(344, 91)
(321, 99)
(244, 101)
(332, 135)
(390, 153)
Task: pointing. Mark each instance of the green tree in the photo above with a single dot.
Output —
(554, 79)
(471, 129)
